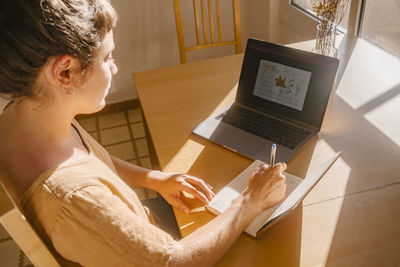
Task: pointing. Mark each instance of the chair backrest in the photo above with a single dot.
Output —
(205, 39)
(22, 232)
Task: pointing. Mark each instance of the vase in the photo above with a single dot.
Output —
(325, 40)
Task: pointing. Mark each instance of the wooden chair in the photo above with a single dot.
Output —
(200, 14)
(22, 232)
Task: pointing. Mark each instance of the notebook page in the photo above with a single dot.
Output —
(224, 198)
(232, 191)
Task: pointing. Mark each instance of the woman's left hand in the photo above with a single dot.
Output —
(170, 185)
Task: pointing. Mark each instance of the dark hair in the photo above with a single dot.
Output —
(32, 31)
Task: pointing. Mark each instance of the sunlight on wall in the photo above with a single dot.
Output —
(373, 73)
(386, 118)
(375, 81)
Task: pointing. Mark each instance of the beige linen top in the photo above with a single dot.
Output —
(88, 215)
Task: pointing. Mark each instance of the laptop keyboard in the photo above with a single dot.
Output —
(266, 127)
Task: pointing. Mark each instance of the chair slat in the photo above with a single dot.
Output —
(179, 29)
(218, 20)
(203, 24)
(22, 232)
(203, 14)
(238, 36)
(211, 19)
(197, 47)
(197, 21)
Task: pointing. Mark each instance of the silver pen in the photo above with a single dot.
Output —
(272, 157)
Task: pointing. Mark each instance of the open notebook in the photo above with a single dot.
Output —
(296, 190)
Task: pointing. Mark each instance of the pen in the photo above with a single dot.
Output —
(272, 157)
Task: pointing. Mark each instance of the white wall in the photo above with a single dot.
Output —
(296, 26)
(146, 36)
(144, 39)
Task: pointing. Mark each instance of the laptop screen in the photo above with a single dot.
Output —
(286, 82)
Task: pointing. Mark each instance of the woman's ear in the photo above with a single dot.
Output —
(62, 70)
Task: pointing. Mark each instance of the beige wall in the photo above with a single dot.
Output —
(296, 26)
(144, 39)
(146, 36)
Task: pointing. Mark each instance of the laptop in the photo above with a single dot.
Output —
(281, 98)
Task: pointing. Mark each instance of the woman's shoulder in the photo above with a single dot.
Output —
(25, 157)
(63, 181)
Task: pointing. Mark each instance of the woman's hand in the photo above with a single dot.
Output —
(170, 185)
(266, 186)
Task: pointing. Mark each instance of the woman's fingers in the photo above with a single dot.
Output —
(202, 186)
(271, 171)
(278, 168)
(194, 191)
(275, 170)
(177, 202)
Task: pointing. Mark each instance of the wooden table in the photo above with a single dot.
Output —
(352, 216)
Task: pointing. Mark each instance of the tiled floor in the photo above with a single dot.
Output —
(122, 134)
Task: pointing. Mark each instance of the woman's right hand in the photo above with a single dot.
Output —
(266, 187)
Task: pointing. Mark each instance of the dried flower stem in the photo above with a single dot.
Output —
(331, 13)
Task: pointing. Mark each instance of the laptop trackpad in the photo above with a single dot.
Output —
(245, 143)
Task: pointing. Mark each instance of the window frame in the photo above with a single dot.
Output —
(356, 16)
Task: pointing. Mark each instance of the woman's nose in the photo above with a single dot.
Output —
(114, 68)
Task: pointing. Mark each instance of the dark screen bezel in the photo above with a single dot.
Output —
(323, 72)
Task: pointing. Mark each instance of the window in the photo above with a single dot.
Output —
(306, 6)
(381, 24)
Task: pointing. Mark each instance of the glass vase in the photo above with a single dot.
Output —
(325, 40)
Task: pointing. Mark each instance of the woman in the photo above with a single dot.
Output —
(55, 63)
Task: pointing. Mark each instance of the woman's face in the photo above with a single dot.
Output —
(95, 88)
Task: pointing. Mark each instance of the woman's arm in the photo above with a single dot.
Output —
(169, 185)
(208, 244)
(133, 175)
